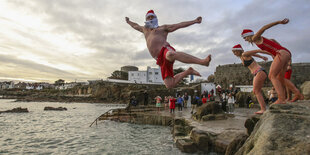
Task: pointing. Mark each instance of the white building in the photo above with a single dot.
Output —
(39, 87)
(68, 85)
(208, 87)
(245, 88)
(29, 87)
(151, 75)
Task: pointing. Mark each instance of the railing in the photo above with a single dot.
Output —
(105, 114)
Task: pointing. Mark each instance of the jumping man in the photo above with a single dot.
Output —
(160, 50)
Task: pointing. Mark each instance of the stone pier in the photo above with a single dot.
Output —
(190, 135)
(280, 129)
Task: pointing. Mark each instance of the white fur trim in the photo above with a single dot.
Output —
(237, 49)
(150, 14)
(248, 34)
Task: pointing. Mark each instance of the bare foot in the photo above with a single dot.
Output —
(260, 112)
(194, 72)
(279, 102)
(207, 60)
(297, 97)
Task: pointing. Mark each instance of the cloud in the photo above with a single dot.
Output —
(90, 39)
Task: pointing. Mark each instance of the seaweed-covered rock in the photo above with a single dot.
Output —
(16, 110)
(55, 109)
(186, 145)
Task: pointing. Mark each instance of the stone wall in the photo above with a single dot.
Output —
(237, 74)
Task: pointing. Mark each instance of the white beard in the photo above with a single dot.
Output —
(151, 23)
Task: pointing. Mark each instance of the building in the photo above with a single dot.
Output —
(151, 75)
(69, 85)
(208, 87)
(245, 88)
(7, 85)
(21, 85)
(129, 68)
(30, 86)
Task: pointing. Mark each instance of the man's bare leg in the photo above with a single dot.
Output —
(296, 92)
(186, 58)
(171, 82)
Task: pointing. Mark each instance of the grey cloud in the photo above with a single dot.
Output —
(100, 25)
(29, 64)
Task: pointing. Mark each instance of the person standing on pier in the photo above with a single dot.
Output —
(172, 104)
(231, 103)
(204, 99)
(180, 102)
(195, 103)
(185, 97)
(158, 101)
(166, 101)
(146, 98)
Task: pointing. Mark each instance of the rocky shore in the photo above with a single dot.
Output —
(282, 129)
(100, 92)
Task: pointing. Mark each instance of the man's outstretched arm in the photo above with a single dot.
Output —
(134, 25)
(173, 27)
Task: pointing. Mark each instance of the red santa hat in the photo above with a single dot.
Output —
(237, 47)
(247, 32)
(150, 13)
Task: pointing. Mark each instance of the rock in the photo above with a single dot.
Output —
(250, 123)
(305, 89)
(179, 121)
(16, 110)
(208, 117)
(223, 140)
(202, 139)
(178, 130)
(186, 145)
(283, 129)
(209, 108)
(214, 117)
(55, 109)
(181, 128)
(236, 144)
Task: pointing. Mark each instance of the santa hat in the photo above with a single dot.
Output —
(237, 47)
(150, 13)
(247, 32)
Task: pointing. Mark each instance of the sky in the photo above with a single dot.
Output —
(80, 40)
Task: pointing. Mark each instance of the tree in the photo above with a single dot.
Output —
(211, 78)
(59, 82)
(179, 70)
(119, 75)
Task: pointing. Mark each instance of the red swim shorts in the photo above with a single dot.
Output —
(165, 65)
(288, 74)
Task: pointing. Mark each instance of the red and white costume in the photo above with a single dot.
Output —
(165, 65)
(267, 45)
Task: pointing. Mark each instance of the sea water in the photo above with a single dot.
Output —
(68, 132)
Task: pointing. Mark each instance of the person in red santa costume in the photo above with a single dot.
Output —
(162, 52)
(280, 54)
(259, 73)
